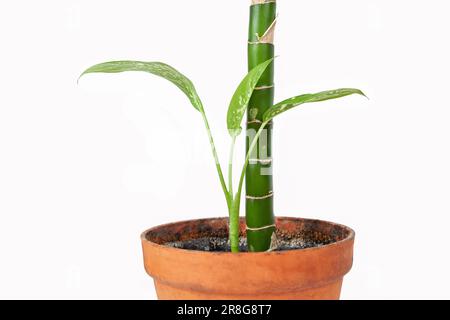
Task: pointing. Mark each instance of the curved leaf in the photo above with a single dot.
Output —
(157, 68)
(241, 98)
(307, 98)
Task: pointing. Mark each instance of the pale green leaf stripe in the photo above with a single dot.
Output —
(241, 98)
(307, 98)
(157, 68)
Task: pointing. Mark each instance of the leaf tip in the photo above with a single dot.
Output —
(360, 92)
(82, 74)
(79, 77)
(364, 95)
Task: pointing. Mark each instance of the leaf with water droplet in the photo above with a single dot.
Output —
(241, 98)
(290, 103)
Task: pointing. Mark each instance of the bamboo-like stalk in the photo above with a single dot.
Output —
(259, 188)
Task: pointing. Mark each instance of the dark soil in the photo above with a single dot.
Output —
(212, 234)
(216, 244)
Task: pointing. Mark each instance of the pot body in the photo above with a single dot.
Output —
(312, 273)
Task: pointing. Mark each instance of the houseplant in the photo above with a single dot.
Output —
(180, 256)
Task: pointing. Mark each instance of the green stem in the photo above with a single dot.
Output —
(230, 167)
(259, 201)
(233, 208)
(234, 225)
(216, 158)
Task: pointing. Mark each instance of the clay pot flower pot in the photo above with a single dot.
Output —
(311, 273)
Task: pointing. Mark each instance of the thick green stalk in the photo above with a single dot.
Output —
(259, 190)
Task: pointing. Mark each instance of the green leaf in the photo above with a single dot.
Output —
(157, 68)
(241, 98)
(307, 98)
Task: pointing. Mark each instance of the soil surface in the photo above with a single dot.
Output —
(217, 244)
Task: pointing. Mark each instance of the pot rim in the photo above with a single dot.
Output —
(350, 237)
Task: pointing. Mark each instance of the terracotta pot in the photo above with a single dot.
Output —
(313, 273)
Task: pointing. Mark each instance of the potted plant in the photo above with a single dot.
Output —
(259, 257)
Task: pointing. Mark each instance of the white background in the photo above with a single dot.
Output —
(84, 169)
